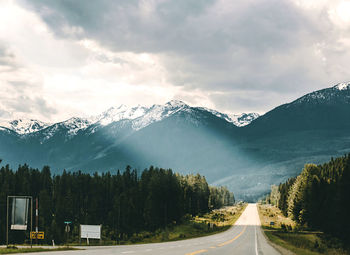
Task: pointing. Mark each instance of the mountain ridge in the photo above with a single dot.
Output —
(142, 116)
(247, 159)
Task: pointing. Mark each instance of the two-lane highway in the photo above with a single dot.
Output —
(245, 237)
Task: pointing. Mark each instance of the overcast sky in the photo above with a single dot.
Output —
(68, 58)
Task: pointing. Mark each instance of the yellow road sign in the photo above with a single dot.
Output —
(37, 235)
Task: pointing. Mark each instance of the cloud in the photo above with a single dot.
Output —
(234, 56)
(40, 72)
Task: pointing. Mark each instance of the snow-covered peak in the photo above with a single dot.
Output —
(333, 95)
(24, 126)
(238, 120)
(138, 117)
(76, 123)
(159, 112)
(243, 119)
(122, 112)
(342, 86)
(72, 125)
(176, 103)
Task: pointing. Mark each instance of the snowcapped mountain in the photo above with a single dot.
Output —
(244, 119)
(326, 109)
(339, 93)
(342, 86)
(71, 126)
(159, 112)
(248, 159)
(115, 114)
(218, 114)
(139, 117)
(239, 120)
(24, 126)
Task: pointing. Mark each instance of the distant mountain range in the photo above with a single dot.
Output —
(246, 152)
(142, 116)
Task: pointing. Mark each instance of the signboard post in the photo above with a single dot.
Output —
(90, 231)
(19, 214)
(67, 229)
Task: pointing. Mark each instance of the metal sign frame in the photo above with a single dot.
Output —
(7, 216)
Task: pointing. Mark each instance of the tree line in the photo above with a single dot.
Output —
(125, 202)
(319, 198)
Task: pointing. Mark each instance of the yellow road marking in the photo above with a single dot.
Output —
(219, 245)
(196, 252)
(230, 241)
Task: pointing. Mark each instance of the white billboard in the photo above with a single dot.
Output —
(90, 231)
(19, 219)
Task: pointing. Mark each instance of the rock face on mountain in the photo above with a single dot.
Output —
(246, 152)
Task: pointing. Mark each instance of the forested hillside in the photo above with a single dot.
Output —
(319, 198)
(124, 203)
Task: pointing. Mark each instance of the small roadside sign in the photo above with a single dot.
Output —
(67, 222)
(37, 235)
(272, 223)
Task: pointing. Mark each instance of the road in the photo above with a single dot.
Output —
(245, 237)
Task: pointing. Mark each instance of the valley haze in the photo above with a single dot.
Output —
(246, 152)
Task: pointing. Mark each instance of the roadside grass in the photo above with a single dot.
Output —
(221, 220)
(14, 249)
(270, 213)
(223, 217)
(191, 227)
(287, 234)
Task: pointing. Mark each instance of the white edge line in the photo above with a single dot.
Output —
(256, 243)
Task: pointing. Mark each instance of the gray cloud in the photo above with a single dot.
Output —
(216, 46)
(7, 59)
(23, 105)
(19, 96)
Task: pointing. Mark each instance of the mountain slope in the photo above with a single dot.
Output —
(248, 159)
(324, 109)
(75, 143)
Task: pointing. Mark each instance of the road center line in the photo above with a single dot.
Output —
(230, 241)
(196, 252)
(219, 245)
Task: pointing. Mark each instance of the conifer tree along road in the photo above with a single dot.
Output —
(245, 237)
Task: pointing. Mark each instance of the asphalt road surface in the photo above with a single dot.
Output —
(245, 237)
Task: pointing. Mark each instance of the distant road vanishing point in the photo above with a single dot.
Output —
(245, 238)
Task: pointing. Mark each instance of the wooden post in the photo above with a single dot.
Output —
(100, 234)
(31, 220)
(7, 222)
(36, 219)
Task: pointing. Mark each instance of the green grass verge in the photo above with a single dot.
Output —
(14, 249)
(194, 227)
(299, 242)
(191, 227)
(304, 243)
